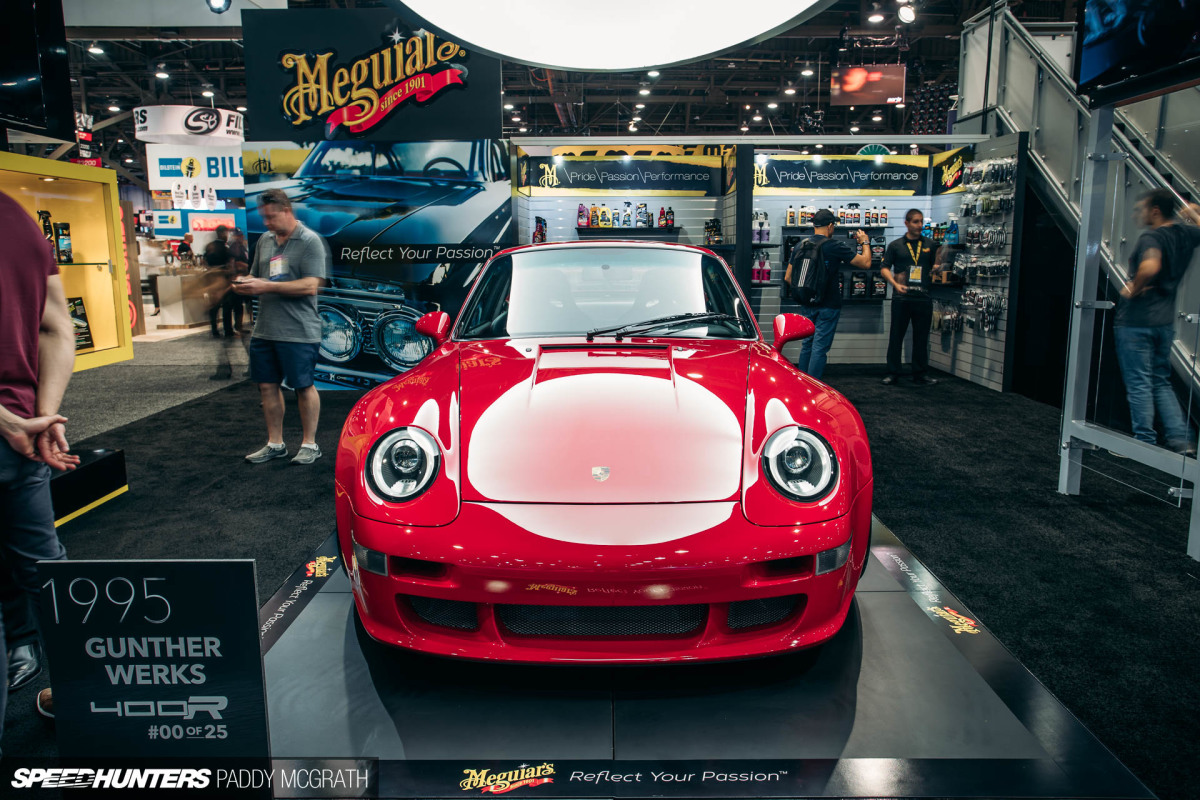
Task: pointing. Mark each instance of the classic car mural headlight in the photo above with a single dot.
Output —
(398, 343)
(341, 336)
(402, 464)
(800, 464)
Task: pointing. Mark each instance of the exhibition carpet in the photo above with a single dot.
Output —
(1094, 594)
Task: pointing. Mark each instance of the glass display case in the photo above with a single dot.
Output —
(78, 209)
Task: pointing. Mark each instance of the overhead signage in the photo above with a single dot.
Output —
(947, 170)
(174, 224)
(630, 176)
(901, 176)
(318, 74)
(188, 125)
(870, 84)
(150, 661)
(218, 168)
(87, 162)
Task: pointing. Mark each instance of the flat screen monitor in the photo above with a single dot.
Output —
(35, 88)
(870, 84)
(1134, 48)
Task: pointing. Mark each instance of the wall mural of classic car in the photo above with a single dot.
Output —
(408, 224)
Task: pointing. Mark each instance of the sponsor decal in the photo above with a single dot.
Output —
(958, 622)
(601, 473)
(202, 121)
(78, 778)
(551, 587)
(760, 174)
(549, 175)
(489, 361)
(490, 782)
(952, 173)
(319, 567)
(359, 95)
(415, 380)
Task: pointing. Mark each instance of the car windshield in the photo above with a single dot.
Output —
(441, 160)
(569, 292)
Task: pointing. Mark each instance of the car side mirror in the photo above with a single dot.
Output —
(436, 325)
(789, 328)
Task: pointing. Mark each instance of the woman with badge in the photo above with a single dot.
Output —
(908, 264)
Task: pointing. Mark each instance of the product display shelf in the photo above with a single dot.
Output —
(628, 233)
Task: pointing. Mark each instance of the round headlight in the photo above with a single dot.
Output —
(402, 464)
(398, 343)
(800, 464)
(340, 335)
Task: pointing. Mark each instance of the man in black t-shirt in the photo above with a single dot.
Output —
(839, 254)
(216, 256)
(908, 266)
(1144, 325)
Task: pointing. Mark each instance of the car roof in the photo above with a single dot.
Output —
(637, 243)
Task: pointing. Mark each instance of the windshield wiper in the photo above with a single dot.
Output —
(650, 324)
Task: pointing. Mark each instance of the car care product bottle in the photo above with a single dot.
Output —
(883, 216)
(584, 218)
(62, 236)
(662, 217)
(952, 231)
(927, 230)
(790, 219)
(606, 220)
(671, 217)
(627, 215)
(595, 216)
(47, 229)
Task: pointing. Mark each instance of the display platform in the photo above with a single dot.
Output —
(913, 698)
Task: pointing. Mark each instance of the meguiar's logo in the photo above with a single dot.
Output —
(549, 176)
(952, 172)
(500, 782)
(365, 92)
(319, 567)
(760, 174)
(958, 622)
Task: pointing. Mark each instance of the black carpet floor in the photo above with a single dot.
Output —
(1094, 594)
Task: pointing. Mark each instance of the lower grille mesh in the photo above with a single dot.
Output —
(446, 613)
(601, 620)
(752, 613)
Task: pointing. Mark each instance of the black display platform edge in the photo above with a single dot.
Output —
(1080, 765)
(100, 477)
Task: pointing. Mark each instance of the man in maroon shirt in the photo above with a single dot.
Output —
(36, 360)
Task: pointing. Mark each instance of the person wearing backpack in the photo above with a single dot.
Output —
(1144, 324)
(908, 265)
(811, 280)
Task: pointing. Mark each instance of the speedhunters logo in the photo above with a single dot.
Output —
(68, 778)
(959, 623)
(502, 782)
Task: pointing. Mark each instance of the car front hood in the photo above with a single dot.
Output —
(562, 421)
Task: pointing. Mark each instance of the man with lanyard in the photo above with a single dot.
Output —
(291, 263)
(1144, 325)
(907, 266)
(838, 254)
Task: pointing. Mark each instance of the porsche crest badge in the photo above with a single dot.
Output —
(600, 473)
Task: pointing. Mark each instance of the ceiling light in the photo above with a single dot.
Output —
(789, 90)
(639, 105)
(643, 92)
(162, 76)
(120, 141)
(854, 129)
(745, 127)
(757, 117)
(516, 118)
(508, 106)
(522, 130)
(819, 146)
(653, 73)
(242, 109)
(48, 180)
(114, 109)
(907, 14)
(219, 6)
(876, 118)
(851, 108)
(129, 161)
(899, 105)
(803, 152)
(637, 119)
(632, 128)
(806, 72)
(96, 49)
(772, 105)
(876, 17)
(206, 93)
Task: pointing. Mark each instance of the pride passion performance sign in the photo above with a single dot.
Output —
(364, 74)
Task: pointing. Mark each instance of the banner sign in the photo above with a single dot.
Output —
(629, 176)
(87, 162)
(217, 168)
(318, 74)
(151, 660)
(900, 176)
(188, 125)
(174, 224)
(947, 170)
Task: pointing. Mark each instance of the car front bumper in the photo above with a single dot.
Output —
(488, 587)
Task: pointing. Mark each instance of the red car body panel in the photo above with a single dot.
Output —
(683, 517)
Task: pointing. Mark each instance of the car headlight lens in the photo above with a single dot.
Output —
(402, 464)
(800, 464)
(341, 337)
(398, 342)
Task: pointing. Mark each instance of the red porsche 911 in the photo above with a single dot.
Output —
(603, 462)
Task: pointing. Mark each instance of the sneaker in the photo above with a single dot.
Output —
(889, 380)
(925, 380)
(267, 453)
(307, 454)
(45, 704)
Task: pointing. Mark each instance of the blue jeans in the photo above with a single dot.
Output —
(814, 351)
(1144, 355)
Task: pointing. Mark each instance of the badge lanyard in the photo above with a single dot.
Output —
(915, 273)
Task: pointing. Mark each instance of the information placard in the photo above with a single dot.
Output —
(154, 658)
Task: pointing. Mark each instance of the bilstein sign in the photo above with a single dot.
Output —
(364, 74)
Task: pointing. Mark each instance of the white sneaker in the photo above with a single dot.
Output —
(267, 453)
(307, 454)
